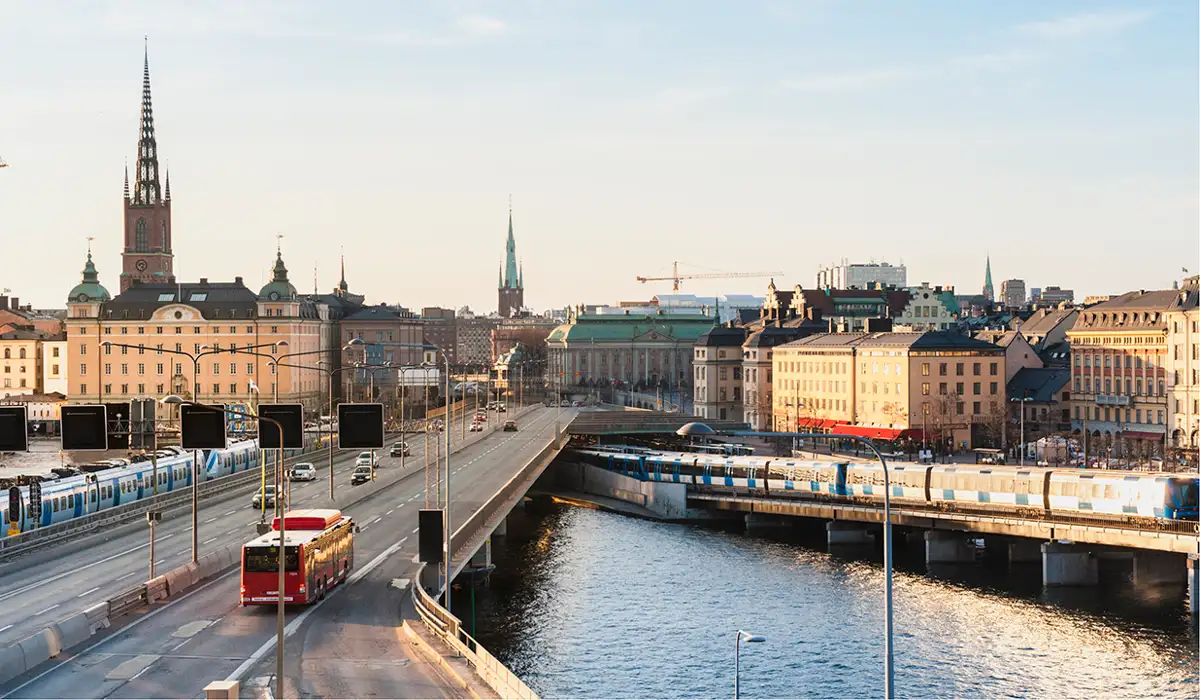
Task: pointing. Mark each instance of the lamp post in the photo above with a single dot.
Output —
(702, 429)
(1022, 401)
(173, 400)
(449, 427)
(737, 656)
(204, 350)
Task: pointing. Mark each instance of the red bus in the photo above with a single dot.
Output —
(319, 553)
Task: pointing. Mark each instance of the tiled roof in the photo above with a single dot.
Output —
(1039, 384)
(771, 336)
(26, 334)
(722, 336)
(1130, 311)
(1045, 320)
(683, 328)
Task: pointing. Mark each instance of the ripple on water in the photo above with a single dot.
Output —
(593, 605)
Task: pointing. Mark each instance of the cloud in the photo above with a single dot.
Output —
(1084, 25)
(482, 25)
(852, 81)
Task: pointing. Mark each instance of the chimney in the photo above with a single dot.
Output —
(203, 280)
(3, 303)
(238, 280)
(15, 304)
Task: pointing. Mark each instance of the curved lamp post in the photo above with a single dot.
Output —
(173, 400)
(697, 429)
(745, 636)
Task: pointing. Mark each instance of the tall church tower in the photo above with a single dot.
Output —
(512, 278)
(147, 254)
(989, 292)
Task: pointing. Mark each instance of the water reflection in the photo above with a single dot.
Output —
(590, 604)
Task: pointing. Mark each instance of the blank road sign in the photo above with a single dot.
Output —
(429, 523)
(360, 426)
(85, 427)
(202, 427)
(14, 429)
(290, 416)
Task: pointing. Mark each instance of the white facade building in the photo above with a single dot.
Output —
(846, 275)
(54, 367)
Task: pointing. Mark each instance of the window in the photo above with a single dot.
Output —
(141, 368)
(216, 388)
(83, 369)
(249, 368)
(993, 368)
(216, 368)
(975, 408)
(233, 368)
(924, 369)
(124, 388)
(975, 389)
(233, 388)
(925, 388)
(1077, 383)
(976, 368)
(959, 407)
(160, 389)
(107, 368)
(958, 369)
(124, 368)
(1137, 414)
(83, 389)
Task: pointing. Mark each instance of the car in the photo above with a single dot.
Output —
(565, 404)
(257, 501)
(398, 449)
(364, 459)
(475, 428)
(304, 471)
(510, 426)
(501, 409)
(362, 474)
(577, 404)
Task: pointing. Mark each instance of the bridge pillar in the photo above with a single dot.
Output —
(1024, 551)
(1193, 570)
(843, 532)
(763, 524)
(1152, 568)
(1065, 564)
(501, 529)
(483, 558)
(947, 547)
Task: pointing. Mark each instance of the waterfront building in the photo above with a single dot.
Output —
(1183, 367)
(55, 362)
(847, 275)
(757, 374)
(1044, 395)
(1012, 293)
(942, 386)
(1119, 357)
(636, 350)
(717, 372)
(1018, 353)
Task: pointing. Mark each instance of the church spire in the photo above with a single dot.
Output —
(511, 280)
(342, 284)
(127, 179)
(146, 189)
(988, 289)
(167, 195)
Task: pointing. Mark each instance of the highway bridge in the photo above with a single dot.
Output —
(345, 646)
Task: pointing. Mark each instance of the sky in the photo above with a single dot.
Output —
(774, 136)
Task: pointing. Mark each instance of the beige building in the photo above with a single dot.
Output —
(214, 322)
(1183, 367)
(928, 309)
(1119, 357)
(21, 360)
(1018, 353)
(43, 411)
(893, 386)
(717, 373)
(54, 365)
(758, 373)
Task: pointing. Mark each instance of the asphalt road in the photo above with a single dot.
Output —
(345, 646)
(61, 580)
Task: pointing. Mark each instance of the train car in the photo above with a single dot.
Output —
(1005, 488)
(1123, 494)
(909, 483)
(812, 478)
(673, 467)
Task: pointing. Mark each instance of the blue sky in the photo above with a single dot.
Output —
(1059, 137)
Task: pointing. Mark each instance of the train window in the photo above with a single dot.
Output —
(1110, 492)
(54, 504)
(1055, 488)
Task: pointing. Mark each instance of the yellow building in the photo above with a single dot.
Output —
(943, 387)
(1183, 371)
(205, 320)
(21, 357)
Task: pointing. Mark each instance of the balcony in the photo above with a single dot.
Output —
(1112, 400)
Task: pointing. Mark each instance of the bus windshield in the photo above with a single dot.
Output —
(265, 559)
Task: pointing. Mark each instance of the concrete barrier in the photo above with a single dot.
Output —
(40, 647)
(73, 630)
(156, 589)
(97, 616)
(12, 662)
(178, 580)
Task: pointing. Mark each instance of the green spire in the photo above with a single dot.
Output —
(988, 289)
(511, 274)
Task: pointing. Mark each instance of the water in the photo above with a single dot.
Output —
(595, 605)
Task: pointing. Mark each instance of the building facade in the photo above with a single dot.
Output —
(440, 328)
(758, 353)
(55, 362)
(938, 387)
(638, 351)
(383, 330)
(21, 362)
(717, 373)
(1012, 293)
(474, 340)
(147, 255)
(847, 275)
(929, 309)
(1119, 357)
(1183, 371)
(1053, 296)
(511, 290)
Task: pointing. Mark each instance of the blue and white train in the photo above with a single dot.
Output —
(1032, 491)
(77, 496)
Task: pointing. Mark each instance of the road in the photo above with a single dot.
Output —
(61, 580)
(345, 646)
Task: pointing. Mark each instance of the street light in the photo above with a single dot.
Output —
(1023, 400)
(737, 655)
(173, 400)
(204, 350)
(703, 429)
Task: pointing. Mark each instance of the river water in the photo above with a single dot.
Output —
(591, 604)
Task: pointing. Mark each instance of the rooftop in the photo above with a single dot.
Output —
(1038, 384)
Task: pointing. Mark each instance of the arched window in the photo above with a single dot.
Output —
(21, 353)
(141, 239)
(7, 353)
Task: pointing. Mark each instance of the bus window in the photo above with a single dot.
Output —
(264, 559)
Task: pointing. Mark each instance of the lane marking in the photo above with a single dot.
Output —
(210, 539)
(231, 512)
(6, 628)
(46, 610)
(372, 522)
(132, 573)
(415, 531)
(88, 592)
(210, 520)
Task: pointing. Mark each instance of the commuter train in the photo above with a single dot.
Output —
(1028, 491)
(83, 494)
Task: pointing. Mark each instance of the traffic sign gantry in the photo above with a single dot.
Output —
(360, 426)
(85, 427)
(14, 429)
(290, 416)
(202, 427)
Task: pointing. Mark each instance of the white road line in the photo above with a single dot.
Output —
(391, 511)
(231, 512)
(373, 521)
(210, 539)
(6, 628)
(416, 530)
(46, 610)
(132, 573)
(21, 590)
(363, 528)
(210, 520)
(87, 592)
(160, 561)
(164, 537)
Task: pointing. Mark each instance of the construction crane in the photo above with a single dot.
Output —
(676, 278)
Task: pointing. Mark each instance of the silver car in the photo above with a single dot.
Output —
(304, 472)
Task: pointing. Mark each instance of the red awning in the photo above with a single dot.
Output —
(815, 423)
(868, 431)
(915, 434)
(1135, 435)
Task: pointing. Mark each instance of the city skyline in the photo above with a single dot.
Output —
(980, 133)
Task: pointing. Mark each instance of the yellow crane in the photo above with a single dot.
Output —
(676, 278)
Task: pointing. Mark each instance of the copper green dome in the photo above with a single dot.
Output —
(90, 288)
(279, 287)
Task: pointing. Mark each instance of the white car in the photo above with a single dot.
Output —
(364, 460)
(475, 428)
(304, 472)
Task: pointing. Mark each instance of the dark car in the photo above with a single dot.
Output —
(510, 426)
(361, 475)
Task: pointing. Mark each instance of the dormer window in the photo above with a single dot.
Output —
(166, 296)
(199, 296)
